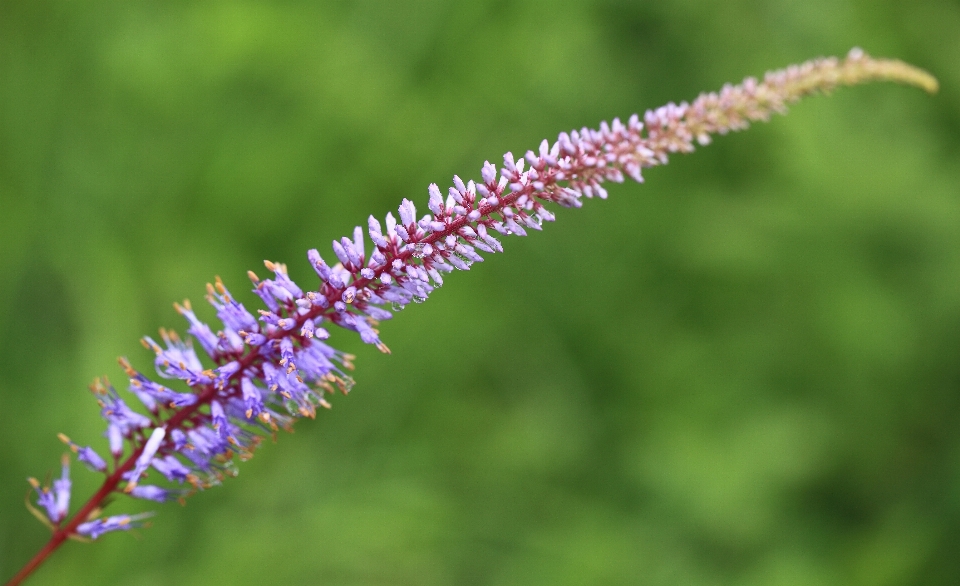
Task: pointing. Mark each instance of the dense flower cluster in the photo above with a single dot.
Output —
(263, 370)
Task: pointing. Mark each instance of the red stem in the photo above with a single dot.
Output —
(63, 532)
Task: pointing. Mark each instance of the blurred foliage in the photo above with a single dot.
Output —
(744, 372)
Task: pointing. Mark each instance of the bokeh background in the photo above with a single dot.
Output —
(743, 372)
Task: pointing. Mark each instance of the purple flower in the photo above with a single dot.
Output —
(86, 455)
(263, 372)
(155, 493)
(55, 502)
(145, 458)
(171, 467)
(116, 411)
(97, 527)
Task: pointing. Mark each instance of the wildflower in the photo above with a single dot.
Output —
(271, 368)
(56, 502)
(86, 454)
(97, 527)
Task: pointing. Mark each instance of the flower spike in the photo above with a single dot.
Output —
(262, 373)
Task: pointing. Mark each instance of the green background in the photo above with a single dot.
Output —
(743, 372)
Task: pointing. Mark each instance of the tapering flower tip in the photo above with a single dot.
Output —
(408, 214)
(85, 454)
(862, 67)
(145, 457)
(97, 527)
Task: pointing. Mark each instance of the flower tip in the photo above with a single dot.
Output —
(862, 67)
